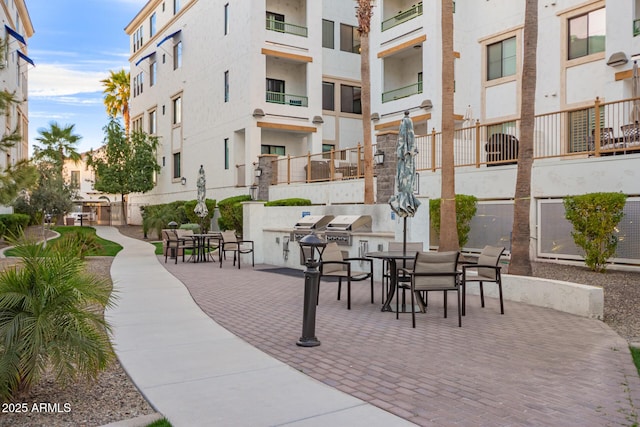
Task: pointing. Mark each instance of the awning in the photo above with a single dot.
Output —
(145, 57)
(168, 37)
(25, 57)
(15, 35)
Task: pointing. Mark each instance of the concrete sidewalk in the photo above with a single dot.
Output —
(196, 373)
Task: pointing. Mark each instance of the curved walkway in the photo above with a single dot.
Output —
(531, 367)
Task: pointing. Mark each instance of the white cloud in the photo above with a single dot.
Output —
(54, 80)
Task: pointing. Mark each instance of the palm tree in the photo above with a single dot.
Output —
(364, 11)
(448, 227)
(117, 91)
(520, 261)
(59, 144)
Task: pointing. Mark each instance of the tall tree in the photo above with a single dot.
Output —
(58, 144)
(520, 237)
(448, 227)
(117, 90)
(125, 164)
(364, 11)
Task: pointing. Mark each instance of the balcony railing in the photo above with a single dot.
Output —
(285, 27)
(614, 130)
(636, 27)
(288, 99)
(402, 92)
(403, 16)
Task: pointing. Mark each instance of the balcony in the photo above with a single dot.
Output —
(402, 92)
(286, 27)
(287, 99)
(402, 16)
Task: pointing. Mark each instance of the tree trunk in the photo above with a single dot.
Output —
(364, 22)
(124, 209)
(448, 227)
(520, 244)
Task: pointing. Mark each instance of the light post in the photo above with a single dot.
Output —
(314, 246)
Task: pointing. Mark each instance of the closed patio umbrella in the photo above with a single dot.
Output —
(201, 207)
(635, 93)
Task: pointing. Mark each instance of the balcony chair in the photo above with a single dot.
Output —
(229, 242)
(336, 263)
(486, 270)
(434, 271)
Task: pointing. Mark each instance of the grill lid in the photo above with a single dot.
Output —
(350, 223)
(313, 222)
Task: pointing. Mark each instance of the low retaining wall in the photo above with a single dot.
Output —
(574, 298)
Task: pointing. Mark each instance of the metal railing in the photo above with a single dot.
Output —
(403, 16)
(287, 98)
(615, 130)
(285, 27)
(402, 92)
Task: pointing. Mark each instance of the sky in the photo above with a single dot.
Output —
(75, 44)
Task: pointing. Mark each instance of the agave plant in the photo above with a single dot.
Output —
(51, 318)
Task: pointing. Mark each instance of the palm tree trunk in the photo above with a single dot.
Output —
(520, 244)
(448, 228)
(364, 21)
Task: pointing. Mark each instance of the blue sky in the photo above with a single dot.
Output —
(75, 44)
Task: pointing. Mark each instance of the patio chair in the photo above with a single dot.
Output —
(176, 245)
(631, 134)
(434, 271)
(487, 270)
(229, 242)
(402, 281)
(335, 263)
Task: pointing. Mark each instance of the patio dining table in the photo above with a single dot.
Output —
(203, 242)
(392, 257)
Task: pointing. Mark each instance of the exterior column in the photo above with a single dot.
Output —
(386, 173)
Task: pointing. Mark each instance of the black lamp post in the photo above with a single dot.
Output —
(314, 247)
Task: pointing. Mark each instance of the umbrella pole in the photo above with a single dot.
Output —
(404, 236)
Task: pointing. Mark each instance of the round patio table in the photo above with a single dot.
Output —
(392, 258)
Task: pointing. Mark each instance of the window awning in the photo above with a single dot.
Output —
(26, 58)
(145, 57)
(168, 37)
(15, 35)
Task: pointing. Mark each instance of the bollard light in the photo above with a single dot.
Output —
(311, 247)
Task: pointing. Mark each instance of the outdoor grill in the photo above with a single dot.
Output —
(340, 229)
(309, 223)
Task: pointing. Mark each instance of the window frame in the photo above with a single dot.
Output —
(176, 110)
(226, 19)
(226, 86)
(352, 103)
(575, 17)
(152, 25)
(176, 159)
(176, 6)
(227, 159)
(153, 72)
(503, 59)
(496, 38)
(153, 121)
(325, 34)
(177, 55)
(354, 34)
(333, 96)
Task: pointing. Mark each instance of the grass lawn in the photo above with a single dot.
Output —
(160, 423)
(109, 248)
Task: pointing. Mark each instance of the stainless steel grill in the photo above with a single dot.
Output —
(340, 229)
(309, 223)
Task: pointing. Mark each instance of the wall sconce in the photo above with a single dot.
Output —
(375, 117)
(258, 172)
(317, 120)
(616, 59)
(426, 104)
(253, 192)
(183, 181)
(258, 113)
(378, 157)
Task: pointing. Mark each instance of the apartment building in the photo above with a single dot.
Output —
(17, 31)
(221, 82)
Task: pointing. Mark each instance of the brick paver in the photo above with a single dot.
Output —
(531, 366)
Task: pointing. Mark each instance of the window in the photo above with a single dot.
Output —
(327, 34)
(328, 97)
(176, 166)
(273, 149)
(226, 19)
(138, 81)
(275, 21)
(75, 179)
(136, 124)
(177, 55)
(137, 39)
(226, 153)
(152, 25)
(587, 34)
(226, 86)
(153, 120)
(275, 91)
(177, 111)
(501, 59)
(153, 71)
(349, 39)
(350, 99)
(581, 126)
(176, 6)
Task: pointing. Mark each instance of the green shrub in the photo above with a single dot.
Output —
(594, 218)
(79, 242)
(193, 227)
(13, 224)
(51, 316)
(289, 202)
(231, 213)
(157, 217)
(466, 207)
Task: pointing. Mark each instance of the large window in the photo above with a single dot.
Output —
(138, 84)
(226, 86)
(327, 34)
(501, 59)
(138, 39)
(153, 122)
(350, 99)
(177, 174)
(587, 33)
(349, 39)
(177, 110)
(177, 55)
(328, 96)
